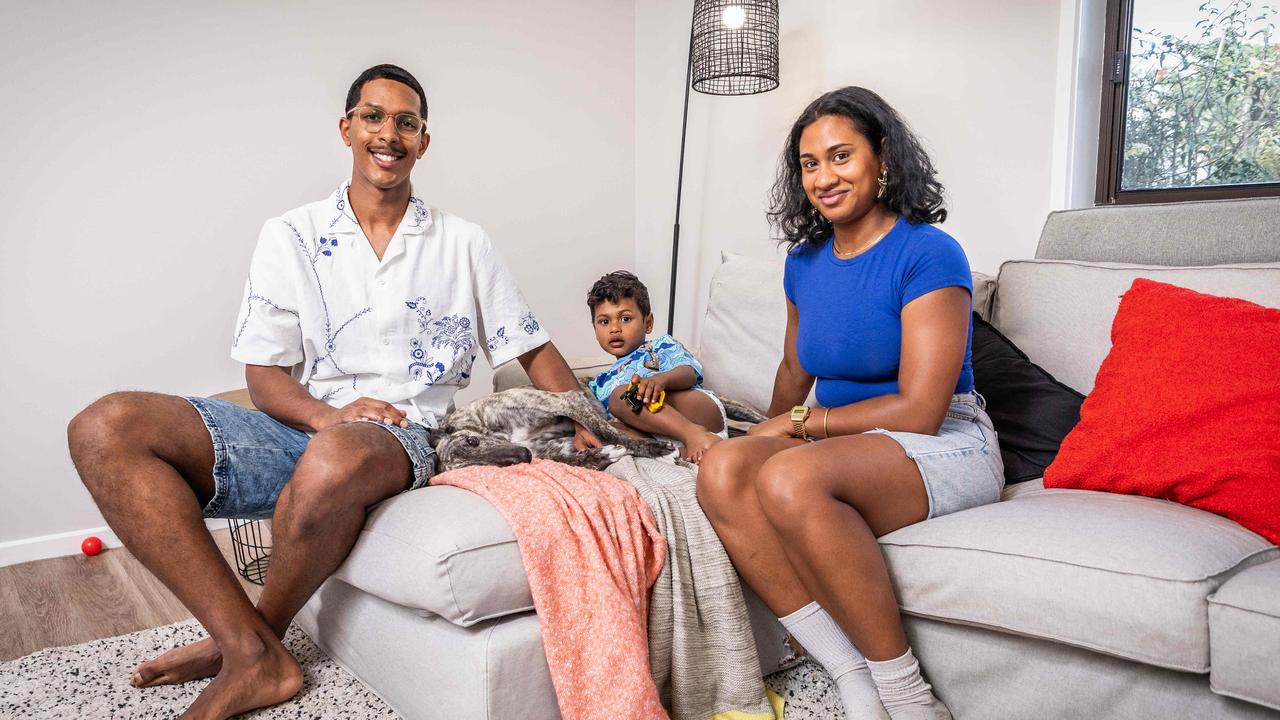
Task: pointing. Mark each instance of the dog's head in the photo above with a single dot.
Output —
(460, 448)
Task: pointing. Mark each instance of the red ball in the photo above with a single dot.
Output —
(91, 546)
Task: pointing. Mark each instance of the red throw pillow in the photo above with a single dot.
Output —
(1186, 407)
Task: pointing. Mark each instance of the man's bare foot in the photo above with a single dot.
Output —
(195, 661)
(698, 444)
(259, 675)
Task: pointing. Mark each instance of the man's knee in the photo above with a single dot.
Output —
(348, 465)
(112, 423)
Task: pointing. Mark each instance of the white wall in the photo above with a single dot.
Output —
(146, 142)
(977, 80)
(163, 137)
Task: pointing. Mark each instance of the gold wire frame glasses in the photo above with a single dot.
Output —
(373, 118)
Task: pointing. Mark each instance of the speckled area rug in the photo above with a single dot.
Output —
(92, 681)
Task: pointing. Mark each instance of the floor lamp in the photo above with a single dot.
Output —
(733, 50)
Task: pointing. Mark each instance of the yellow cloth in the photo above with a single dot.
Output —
(774, 699)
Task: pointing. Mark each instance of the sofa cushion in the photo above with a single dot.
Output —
(1186, 407)
(1118, 574)
(1059, 312)
(1244, 636)
(1031, 411)
(440, 550)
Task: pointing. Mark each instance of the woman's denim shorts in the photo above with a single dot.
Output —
(254, 456)
(961, 465)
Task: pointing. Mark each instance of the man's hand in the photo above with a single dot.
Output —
(649, 389)
(779, 426)
(583, 439)
(364, 408)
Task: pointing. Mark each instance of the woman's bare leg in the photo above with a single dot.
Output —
(828, 502)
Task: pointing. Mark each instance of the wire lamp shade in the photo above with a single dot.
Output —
(735, 46)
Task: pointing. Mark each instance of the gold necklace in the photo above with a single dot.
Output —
(850, 253)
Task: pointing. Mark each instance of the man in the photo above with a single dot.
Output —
(361, 318)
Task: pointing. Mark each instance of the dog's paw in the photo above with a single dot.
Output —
(613, 453)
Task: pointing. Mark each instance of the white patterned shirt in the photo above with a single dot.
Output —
(405, 329)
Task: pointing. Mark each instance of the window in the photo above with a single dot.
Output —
(1190, 101)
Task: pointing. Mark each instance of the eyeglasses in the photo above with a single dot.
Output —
(373, 118)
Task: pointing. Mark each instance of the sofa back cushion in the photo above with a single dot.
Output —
(742, 333)
(1059, 312)
(1208, 232)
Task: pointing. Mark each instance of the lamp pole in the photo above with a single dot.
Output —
(737, 54)
(675, 230)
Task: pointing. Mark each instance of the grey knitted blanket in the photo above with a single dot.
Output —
(701, 650)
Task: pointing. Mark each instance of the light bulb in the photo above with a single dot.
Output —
(734, 17)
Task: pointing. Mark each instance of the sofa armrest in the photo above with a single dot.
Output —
(984, 287)
(513, 375)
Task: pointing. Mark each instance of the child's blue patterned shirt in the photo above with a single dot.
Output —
(669, 353)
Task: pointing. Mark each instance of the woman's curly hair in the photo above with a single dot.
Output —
(912, 188)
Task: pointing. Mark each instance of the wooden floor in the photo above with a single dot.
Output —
(74, 599)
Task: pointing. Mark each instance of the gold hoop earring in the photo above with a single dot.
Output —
(883, 180)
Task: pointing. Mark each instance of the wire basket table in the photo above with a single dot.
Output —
(251, 545)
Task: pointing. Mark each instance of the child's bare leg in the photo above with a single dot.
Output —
(628, 430)
(671, 421)
(704, 412)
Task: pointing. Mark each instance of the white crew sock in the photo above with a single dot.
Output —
(826, 643)
(904, 692)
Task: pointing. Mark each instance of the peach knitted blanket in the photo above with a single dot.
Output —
(592, 549)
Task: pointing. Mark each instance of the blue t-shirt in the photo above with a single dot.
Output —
(850, 311)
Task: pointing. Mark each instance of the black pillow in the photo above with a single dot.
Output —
(1031, 411)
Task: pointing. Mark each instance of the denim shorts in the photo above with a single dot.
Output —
(254, 456)
(961, 465)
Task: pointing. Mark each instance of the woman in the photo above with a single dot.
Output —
(878, 312)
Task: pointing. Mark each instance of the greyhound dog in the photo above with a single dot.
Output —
(516, 425)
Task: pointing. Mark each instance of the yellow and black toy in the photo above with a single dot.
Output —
(636, 403)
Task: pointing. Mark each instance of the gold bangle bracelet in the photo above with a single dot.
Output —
(825, 413)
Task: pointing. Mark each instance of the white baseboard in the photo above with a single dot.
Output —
(67, 543)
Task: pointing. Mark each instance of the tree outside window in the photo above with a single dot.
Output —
(1195, 101)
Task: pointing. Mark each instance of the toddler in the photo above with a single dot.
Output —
(690, 414)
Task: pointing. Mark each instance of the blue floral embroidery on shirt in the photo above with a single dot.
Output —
(451, 334)
(529, 322)
(453, 331)
(419, 305)
(249, 301)
(499, 339)
(324, 247)
(340, 205)
(420, 211)
(422, 368)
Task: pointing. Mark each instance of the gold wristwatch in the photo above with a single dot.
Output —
(799, 414)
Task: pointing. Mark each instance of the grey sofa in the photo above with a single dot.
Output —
(1048, 604)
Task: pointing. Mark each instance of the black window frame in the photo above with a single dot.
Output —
(1115, 64)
